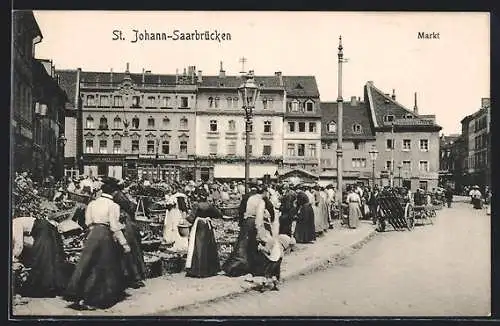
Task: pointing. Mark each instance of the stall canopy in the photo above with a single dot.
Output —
(237, 171)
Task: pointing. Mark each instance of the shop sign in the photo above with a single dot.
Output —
(107, 159)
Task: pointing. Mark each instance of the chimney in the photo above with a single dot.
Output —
(415, 107)
(200, 77)
(177, 75)
(143, 79)
(393, 94)
(387, 98)
(354, 101)
(111, 76)
(127, 70)
(280, 77)
(222, 72)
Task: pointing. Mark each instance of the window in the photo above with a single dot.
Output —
(267, 126)
(302, 127)
(118, 101)
(312, 150)
(90, 100)
(184, 102)
(266, 150)
(103, 123)
(422, 185)
(165, 147)
(231, 148)
(135, 146)
(291, 126)
(151, 122)
(332, 127)
(264, 104)
(309, 106)
(269, 103)
(235, 102)
(213, 125)
(117, 146)
(388, 165)
(210, 102)
(183, 147)
(423, 166)
(89, 123)
(216, 102)
(89, 146)
(424, 145)
(183, 123)
(136, 100)
(406, 144)
(117, 123)
(135, 123)
(389, 144)
(229, 102)
(212, 149)
(407, 166)
(166, 102)
(388, 118)
(166, 123)
(301, 149)
(103, 146)
(103, 100)
(151, 101)
(359, 162)
(408, 116)
(150, 146)
(290, 149)
(232, 125)
(295, 106)
(312, 126)
(356, 128)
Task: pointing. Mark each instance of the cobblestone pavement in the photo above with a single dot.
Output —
(436, 270)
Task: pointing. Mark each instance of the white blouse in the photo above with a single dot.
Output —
(21, 226)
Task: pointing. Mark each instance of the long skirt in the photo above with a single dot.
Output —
(48, 275)
(477, 203)
(203, 258)
(354, 215)
(98, 278)
(285, 225)
(242, 258)
(304, 229)
(133, 264)
(320, 219)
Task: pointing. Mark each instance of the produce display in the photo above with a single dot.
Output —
(226, 235)
(26, 200)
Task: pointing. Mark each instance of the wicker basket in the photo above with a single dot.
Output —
(84, 199)
(173, 265)
(151, 245)
(154, 268)
(230, 211)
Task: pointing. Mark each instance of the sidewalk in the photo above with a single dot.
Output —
(172, 292)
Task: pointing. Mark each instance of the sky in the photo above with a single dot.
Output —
(450, 74)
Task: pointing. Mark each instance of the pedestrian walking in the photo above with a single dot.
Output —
(304, 229)
(448, 196)
(353, 201)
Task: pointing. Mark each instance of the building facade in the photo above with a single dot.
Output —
(407, 142)
(358, 139)
(477, 137)
(448, 159)
(302, 122)
(220, 127)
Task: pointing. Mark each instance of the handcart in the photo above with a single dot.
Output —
(395, 211)
(424, 214)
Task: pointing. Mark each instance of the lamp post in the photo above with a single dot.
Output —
(62, 142)
(157, 158)
(248, 93)
(340, 103)
(373, 155)
(399, 176)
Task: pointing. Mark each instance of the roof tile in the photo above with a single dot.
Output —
(352, 114)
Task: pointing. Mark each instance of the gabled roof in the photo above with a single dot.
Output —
(67, 81)
(382, 105)
(352, 114)
(301, 86)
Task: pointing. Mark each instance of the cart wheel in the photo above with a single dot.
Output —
(409, 216)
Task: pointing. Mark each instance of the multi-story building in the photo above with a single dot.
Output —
(48, 126)
(220, 127)
(302, 122)
(358, 138)
(407, 142)
(26, 34)
(135, 124)
(448, 156)
(477, 138)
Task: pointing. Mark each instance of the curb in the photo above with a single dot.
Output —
(316, 266)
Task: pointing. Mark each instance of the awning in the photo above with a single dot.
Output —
(237, 171)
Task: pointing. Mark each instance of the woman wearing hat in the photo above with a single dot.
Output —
(173, 218)
(98, 280)
(476, 198)
(203, 258)
(304, 228)
(354, 202)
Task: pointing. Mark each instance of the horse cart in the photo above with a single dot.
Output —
(396, 212)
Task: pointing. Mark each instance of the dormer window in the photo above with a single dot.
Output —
(332, 127)
(295, 106)
(299, 86)
(309, 106)
(356, 128)
(389, 118)
(408, 116)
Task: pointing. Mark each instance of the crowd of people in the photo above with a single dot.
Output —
(112, 260)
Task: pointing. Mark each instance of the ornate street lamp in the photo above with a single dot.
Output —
(248, 93)
(373, 155)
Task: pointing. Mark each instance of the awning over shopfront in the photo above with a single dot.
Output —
(237, 171)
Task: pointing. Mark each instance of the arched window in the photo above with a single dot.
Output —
(183, 123)
(166, 123)
(356, 128)
(231, 125)
(165, 147)
(135, 123)
(103, 123)
(89, 123)
(216, 102)
(332, 127)
(151, 122)
(117, 123)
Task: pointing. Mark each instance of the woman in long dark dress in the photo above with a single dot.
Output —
(304, 228)
(98, 280)
(133, 262)
(203, 258)
(46, 257)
